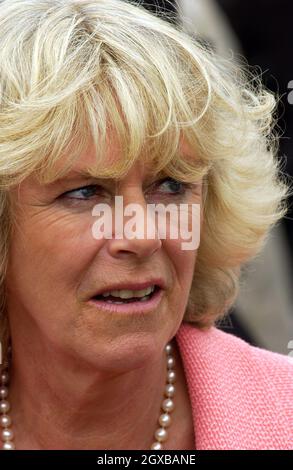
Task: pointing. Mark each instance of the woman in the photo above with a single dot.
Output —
(100, 99)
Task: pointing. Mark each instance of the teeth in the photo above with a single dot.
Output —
(128, 294)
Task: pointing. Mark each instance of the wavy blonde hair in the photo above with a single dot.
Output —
(72, 69)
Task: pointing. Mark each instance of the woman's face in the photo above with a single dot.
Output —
(56, 266)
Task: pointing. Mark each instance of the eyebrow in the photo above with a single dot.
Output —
(86, 175)
(76, 175)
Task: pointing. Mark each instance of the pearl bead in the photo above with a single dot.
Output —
(168, 405)
(3, 392)
(169, 390)
(4, 406)
(5, 421)
(165, 420)
(169, 348)
(7, 435)
(161, 434)
(156, 446)
(170, 362)
(4, 378)
(171, 376)
(8, 446)
(5, 364)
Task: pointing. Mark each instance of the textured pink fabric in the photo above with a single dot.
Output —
(241, 396)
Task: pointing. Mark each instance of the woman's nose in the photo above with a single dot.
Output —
(141, 237)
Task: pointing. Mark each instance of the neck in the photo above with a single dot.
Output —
(58, 403)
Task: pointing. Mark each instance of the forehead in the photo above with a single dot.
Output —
(113, 153)
(87, 169)
(83, 170)
(86, 164)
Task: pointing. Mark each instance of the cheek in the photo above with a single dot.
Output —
(183, 261)
(52, 248)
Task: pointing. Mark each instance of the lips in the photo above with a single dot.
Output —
(145, 305)
(133, 286)
(131, 298)
(137, 307)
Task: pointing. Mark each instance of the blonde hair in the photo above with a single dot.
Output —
(73, 69)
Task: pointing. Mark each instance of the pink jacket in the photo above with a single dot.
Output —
(241, 395)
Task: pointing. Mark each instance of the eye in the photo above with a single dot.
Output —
(175, 187)
(83, 193)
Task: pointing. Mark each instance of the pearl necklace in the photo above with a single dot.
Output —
(164, 420)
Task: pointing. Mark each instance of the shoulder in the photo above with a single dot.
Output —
(219, 345)
(238, 385)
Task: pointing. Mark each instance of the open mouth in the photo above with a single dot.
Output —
(111, 299)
